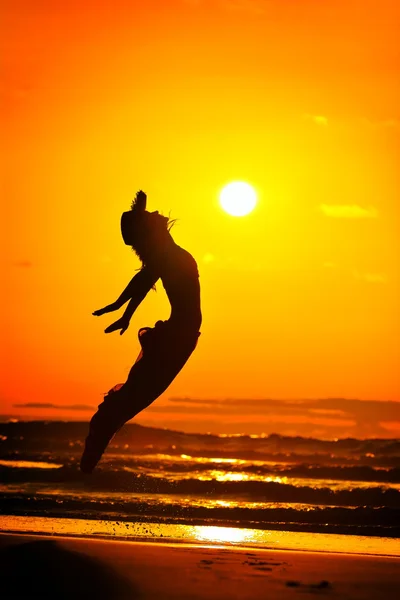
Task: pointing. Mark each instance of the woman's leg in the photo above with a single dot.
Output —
(148, 379)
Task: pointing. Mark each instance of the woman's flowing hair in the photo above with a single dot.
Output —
(139, 247)
(140, 239)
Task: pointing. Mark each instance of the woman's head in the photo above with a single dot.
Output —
(144, 230)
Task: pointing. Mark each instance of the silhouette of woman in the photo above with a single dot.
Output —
(167, 346)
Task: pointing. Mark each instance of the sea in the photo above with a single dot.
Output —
(157, 483)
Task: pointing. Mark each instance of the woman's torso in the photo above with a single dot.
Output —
(180, 277)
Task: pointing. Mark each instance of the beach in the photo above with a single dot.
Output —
(63, 567)
(187, 516)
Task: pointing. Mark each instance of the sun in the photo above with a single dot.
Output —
(238, 198)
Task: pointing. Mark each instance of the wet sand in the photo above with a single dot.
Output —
(48, 567)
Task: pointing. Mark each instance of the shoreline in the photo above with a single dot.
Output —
(65, 567)
(176, 543)
(198, 535)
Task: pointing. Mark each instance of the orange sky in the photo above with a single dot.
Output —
(178, 97)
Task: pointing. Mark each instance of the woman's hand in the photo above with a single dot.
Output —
(121, 324)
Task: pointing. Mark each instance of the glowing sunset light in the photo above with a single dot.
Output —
(283, 184)
(222, 534)
(238, 198)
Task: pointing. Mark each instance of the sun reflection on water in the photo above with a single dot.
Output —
(223, 476)
(203, 459)
(223, 534)
(202, 534)
(29, 464)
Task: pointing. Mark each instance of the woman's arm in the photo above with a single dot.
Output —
(137, 288)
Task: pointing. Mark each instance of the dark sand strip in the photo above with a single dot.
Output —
(76, 568)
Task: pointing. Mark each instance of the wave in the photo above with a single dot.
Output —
(68, 437)
(260, 491)
(184, 466)
(360, 521)
(161, 475)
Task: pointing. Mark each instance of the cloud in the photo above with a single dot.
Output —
(320, 120)
(348, 211)
(57, 406)
(371, 277)
(252, 427)
(23, 264)
(257, 7)
(349, 417)
(208, 258)
(317, 119)
(382, 124)
(347, 407)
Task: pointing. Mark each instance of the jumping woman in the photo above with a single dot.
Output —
(165, 347)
